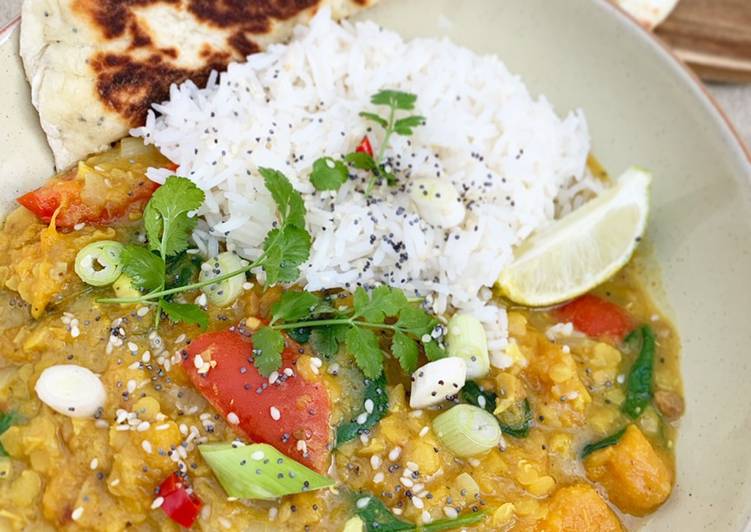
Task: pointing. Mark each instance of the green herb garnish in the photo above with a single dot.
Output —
(6, 420)
(385, 308)
(603, 443)
(329, 174)
(639, 382)
(515, 421)
(156, 268)
(378, 518)
(375, 391)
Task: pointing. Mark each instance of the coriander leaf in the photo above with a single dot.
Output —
(404, 101)
(375, 391)
(416, 321)
(288, 201)
(362, 344)
(166, 219)
(293, 306)
(361, 160)
(405, 350)
(404, 126)
(375, 118)
(286, 249)
(325, 340)
(145, 269)
(268, 345)
(433, 350)
(328, 174)
(383, 302)
(185, 312)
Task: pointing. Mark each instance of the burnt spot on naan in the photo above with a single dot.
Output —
(128, 86)
(130, 79)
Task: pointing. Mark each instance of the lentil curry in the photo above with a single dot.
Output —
(581, 420)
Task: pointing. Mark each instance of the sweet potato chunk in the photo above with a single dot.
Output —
(578, 508)
(633, 474)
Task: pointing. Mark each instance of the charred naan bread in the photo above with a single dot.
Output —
(649, 13)
(95, 66)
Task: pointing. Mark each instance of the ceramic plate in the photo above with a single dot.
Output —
(643, 107)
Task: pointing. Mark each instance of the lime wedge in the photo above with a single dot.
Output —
(583, 249)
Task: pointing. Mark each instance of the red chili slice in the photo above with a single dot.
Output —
(282, 413)
(364, 146)
(179, 504)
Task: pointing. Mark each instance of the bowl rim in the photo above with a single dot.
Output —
(669, 55)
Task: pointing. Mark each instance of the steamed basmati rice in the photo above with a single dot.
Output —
(515, 163)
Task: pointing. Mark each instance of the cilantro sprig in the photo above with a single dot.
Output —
(169, 224)
(330, 174)
(407, 327)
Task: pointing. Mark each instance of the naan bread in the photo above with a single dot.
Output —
(95, 66)
(649, 13)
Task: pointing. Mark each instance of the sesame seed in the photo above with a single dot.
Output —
(378, 477)
(369, 406)
(426, 517)
(363, 502)
(362, 418)
(198, 361)
(424, 431)
(143, 426)
(77, 513)
(275, 414)
(450, 512)
(413, 466)
(94, 464)
(407, 482)
(395, 453)
(417, 502)
(233, 419)
(375, 461)
(258, 455)
(146, 444)
(157, 503)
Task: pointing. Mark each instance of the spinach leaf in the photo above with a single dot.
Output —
(182, 270)
(378, 518)
(474, 395)
(375, 391)
(639, 382)
(517, 420)
(603, 443)
(300, 335)
(6, 420)
(514, 422)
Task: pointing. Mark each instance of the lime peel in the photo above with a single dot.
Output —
(585, 248)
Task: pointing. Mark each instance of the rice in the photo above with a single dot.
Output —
(515, 163)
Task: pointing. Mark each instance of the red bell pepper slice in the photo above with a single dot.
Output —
(234, 385)
(65, 192)
(364, 146)
(179, 504)
(595, 317)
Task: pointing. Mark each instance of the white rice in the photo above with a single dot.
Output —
(516, 163)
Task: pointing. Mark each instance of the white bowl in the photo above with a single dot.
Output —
(643, 108)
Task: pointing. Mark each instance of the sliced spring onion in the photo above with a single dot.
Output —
(71, 390)
(466, 339)
(124, 287)
(225, 292)
(467, 430)
(259, 471)
(98, 264)
(437, 381)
